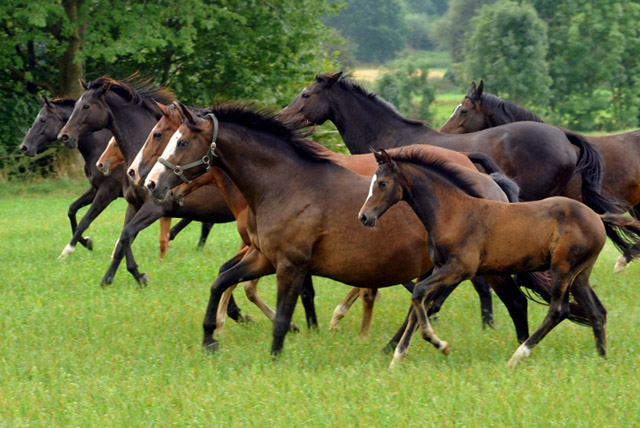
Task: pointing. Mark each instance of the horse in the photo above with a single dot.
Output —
(128, 109)
(469, 236)
(282, 176)
(112, 158)
(539, 157)
(103, 189)
(156, 142)
(620, 152)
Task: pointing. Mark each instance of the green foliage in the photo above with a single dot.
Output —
(203, 50)
(77, 355)
(407, 87)
(376, 27)
(507, 47)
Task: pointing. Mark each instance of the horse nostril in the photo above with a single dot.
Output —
(363, 218)
(23, 148)
(132, 173)
(99, 165)
(151, 185)
(64, 137)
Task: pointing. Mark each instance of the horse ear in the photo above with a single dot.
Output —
(333, 78)
(45, 102)
(185, 112)
(479, 90)
(163, 108)
(83, 84)
(472, 90)
(385, 156)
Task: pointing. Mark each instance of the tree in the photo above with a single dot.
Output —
(375, 26)
(202, 49)
(408, 89)
(449, 31)
(507, 47)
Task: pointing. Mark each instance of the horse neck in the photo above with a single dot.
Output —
(232, 196)
(263, 167)
(363, 121)
(130, 126)
(434, 200)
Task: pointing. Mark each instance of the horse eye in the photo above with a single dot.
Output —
(305, 96)
(86, 106)
(183, 143)
(42, 120)
(383, 184)
(464, 112)
(157, 135)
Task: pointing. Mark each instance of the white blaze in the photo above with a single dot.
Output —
(373, 182)
(158, 168)
(455, 110)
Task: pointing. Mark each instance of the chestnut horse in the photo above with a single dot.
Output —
(471, 236)
(112, 158)
(282, 177)
(539, 157)
(620, 152)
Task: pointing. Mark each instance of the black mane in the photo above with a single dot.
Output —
(265, 120)
(135, 90)
(352, 86)
(455, 174)
(502, 111)
(63, 102)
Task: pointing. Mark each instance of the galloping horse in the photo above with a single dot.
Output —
(102, 191)
(111, 158)
(128, 108)
(282, 177)
(539, 157)
(362, 164)
(470, 236)
(620, 152)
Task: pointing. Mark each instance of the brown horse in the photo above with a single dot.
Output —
(157, 141)
(282, 177)
(620, 152)
(470, 236)
(128, 108)
(540, 158)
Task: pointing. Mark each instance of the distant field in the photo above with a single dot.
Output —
(74, 354)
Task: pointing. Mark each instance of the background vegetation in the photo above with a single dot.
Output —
(74, 354)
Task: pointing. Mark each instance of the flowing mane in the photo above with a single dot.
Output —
(264, 120)
(502, 111)
(63, 102)
(351, 86)
(135, 90)
(452, 173)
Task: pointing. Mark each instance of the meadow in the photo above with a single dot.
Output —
(76, 354)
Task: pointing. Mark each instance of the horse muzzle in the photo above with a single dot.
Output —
(68, 140)
(369, 221)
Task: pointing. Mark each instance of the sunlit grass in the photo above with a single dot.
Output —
(74, 354)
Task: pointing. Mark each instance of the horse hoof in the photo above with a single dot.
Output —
(249, 319)
(106, 282)
(68, 250)
(211, 347)
(620, 266)
(143, 280)
(295, 328)
(445, 348)
(390, 348)
(89, 243)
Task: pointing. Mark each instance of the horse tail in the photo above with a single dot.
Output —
(508, 186)
(624, 232)
(537, 285)
(590, 167)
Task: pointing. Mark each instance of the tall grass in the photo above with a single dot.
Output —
(75, 354)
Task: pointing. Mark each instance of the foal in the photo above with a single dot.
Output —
(471, 236)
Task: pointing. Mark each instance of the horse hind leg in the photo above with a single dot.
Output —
(558, 311)
(369, 296)
(402, 349)
(251, 290)
(343, 307)
(587, 298)
(165, 231)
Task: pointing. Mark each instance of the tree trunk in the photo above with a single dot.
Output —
(70, 68)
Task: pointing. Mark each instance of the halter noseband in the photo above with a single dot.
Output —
(179, 170)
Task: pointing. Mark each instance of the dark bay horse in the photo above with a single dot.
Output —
(128, 109)
(620, 152)
(540, 158)
(282, 177)
(103, 189)
(469, 235)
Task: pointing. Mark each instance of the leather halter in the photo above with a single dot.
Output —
(206, 159)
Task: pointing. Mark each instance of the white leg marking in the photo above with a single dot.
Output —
(113, 253)
(397, 359)
(522, 352)
(621, 264)
(68, 250)
(338, 314)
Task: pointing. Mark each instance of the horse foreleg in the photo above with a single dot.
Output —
(307, 296)
(248, 264)
(514, 300)
(221, 314)
(85, 199)
(165, 231)
(290, 279)
(403, 344)
(251, 290)
(204, 234)
(343, 307)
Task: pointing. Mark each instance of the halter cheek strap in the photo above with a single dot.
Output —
(206, 159)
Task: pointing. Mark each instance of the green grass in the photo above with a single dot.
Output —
(74, 354)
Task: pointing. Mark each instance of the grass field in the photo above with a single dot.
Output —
(77, 355)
